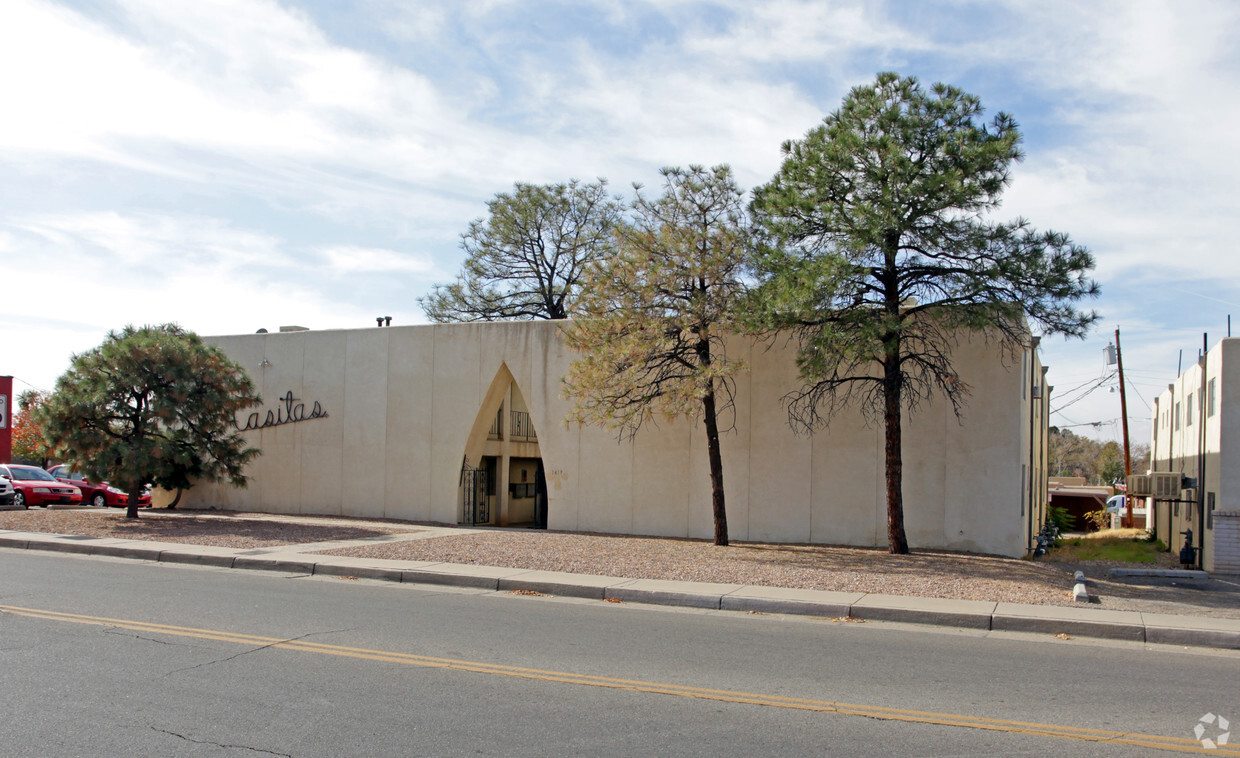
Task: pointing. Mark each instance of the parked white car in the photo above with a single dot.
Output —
(6, 492)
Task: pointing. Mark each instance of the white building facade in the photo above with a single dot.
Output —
(1196, 433)
(466, 423)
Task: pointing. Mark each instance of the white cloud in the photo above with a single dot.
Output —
(249, 84)
(151, 241)
(347, 259)
(141, 269)
(795, 30)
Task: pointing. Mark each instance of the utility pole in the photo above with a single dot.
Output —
(1204, 364)
(1123, 413)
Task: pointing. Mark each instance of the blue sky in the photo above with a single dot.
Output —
(231, 165)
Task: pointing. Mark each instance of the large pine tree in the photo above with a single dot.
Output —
(882, 254)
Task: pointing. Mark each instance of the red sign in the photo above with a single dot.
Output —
(6, 419)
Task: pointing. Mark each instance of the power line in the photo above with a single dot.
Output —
(1133, 386)
(28, 384)
(1097, 384)
(1082, 384)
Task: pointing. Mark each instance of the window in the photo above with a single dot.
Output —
(1176, 423)
(1209, 510)
(1024, 474)
(1188, 410)
(1210, 398)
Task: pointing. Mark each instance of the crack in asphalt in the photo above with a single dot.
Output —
(119, 633)
(219, 744)
(253, 650)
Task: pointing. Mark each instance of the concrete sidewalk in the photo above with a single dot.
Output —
(1197, 631)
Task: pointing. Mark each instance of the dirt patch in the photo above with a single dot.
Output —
(844, 569)
(222, 530)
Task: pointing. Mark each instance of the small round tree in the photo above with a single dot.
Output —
(151, 405)
(526, 260)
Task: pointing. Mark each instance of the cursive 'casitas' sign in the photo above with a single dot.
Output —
(291, 411)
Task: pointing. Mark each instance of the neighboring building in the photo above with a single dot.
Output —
(1200, 412)
(1078, 498)
(465, 423)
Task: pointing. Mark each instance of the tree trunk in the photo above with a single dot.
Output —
(172, 506)
(711, 419)
(716, 467)
(132, 510)
(896, 541)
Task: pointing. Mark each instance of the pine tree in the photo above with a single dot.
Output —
(526, 259)
(151, 405)
(882, 255)
(655, 315)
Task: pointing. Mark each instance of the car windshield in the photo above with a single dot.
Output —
(31, 474)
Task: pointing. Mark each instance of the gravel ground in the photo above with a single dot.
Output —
(846, 569)
(224, 530)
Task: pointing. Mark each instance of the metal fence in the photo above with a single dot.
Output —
(521, 428)
(476, 508)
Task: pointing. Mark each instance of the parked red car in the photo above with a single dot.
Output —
(34, 486)
(98, 494)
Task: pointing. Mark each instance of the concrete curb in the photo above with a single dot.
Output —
(1193, 631)
(1192, 574)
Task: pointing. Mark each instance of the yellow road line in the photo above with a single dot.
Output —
(1180, 744)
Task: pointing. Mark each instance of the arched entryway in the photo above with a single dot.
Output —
(502, 478)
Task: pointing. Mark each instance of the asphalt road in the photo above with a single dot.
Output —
(103, 657)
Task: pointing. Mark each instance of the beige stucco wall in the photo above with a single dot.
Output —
(1177, 447)
(405, 405)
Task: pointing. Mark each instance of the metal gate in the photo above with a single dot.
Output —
(477, 509)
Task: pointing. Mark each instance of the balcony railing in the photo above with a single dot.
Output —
(497, 426)
(521, 428)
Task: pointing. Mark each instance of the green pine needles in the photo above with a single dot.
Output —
(879, 254)
(151, 405)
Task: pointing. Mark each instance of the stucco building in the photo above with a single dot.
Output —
(465, 423)
(1196, 432)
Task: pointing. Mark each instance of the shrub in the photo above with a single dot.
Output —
(1098, 519)
(1060, 518)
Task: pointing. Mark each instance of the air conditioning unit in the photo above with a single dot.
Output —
(1165, 485)
(1139, 485)
(1161, 485)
